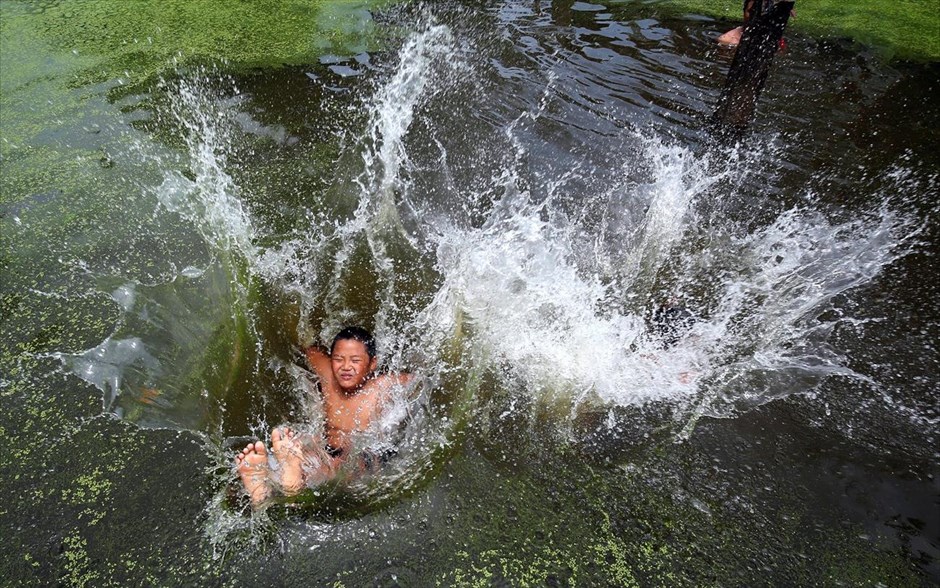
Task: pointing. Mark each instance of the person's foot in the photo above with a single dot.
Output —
(732, 38)
(252, 465)
(289, 455)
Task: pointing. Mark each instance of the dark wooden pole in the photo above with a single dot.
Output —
(759, 43)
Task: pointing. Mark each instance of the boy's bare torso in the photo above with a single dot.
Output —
(347, 412)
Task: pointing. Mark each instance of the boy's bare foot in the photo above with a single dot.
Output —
(732, 38)
(289, 455)
(252, 465)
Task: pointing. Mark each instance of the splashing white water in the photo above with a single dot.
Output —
(426, 57)
(555, 298)
(211, 199)
(769, 318)
(105, 366)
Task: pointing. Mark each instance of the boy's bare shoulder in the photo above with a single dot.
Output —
(386, 381)
(382, 385)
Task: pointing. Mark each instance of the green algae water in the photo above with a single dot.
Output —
(505, 193)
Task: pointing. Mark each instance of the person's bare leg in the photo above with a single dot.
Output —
(318, 465)
(732, 38)
(252, 465)
(287, 449)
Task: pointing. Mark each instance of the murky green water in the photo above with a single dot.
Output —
(505, 192)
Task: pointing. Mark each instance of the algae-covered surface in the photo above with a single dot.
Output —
(133, 41)
(192, 191)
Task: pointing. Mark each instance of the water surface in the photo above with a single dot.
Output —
(505, 193)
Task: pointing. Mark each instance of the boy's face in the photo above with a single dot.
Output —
(351, 364)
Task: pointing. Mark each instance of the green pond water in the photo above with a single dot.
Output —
(505, 192)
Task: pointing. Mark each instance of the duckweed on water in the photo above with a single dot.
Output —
(136, 40)
(582, 534)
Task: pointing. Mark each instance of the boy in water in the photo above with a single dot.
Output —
(353, 396)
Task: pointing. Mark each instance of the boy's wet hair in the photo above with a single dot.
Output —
(671, 323)
(356, 334)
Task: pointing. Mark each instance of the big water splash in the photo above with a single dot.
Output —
(545, 289)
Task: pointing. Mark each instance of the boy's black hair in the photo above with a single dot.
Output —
(671, 323)
(357, 334)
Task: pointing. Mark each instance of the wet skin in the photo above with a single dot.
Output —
(352, 397)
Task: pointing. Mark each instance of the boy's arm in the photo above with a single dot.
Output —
(401, 379)
(319, 361)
